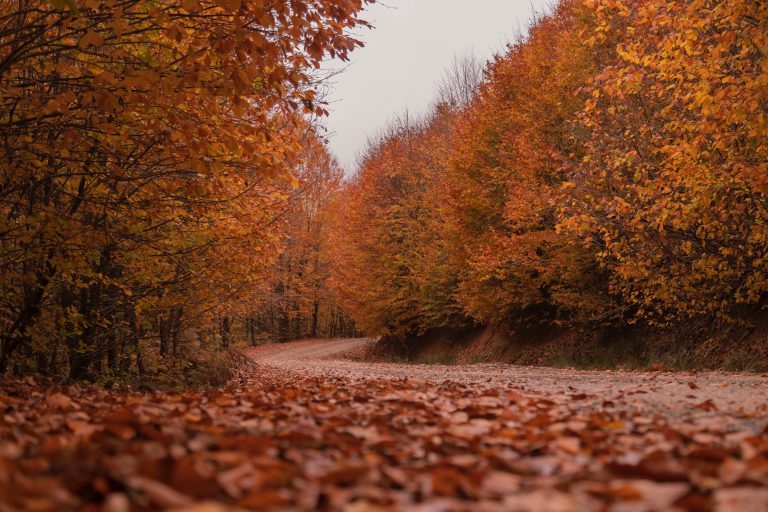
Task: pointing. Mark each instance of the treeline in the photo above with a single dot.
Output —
(610, 168)
(297, 301)
(151, 153)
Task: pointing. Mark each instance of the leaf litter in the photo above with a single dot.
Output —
(281, 440)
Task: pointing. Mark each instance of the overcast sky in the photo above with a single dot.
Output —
(404, 58)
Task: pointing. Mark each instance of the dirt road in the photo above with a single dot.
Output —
(737, 400)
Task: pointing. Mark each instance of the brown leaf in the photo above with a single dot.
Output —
(206, 506)
(116, 502)
(731, 471)
(120, 430)
(58, 401)
(160, 494)
(741, 499)
(657, 496)
(707, 405)
(262, 500)
(83, 428)
(570, 445)
(498, 484)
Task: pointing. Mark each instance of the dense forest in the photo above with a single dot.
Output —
(166, 189)
(609, 169)
(162, 181)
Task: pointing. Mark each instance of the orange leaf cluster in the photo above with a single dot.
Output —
(609, 168)
(145, 165)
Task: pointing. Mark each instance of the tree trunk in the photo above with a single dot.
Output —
(176, 329)
(284, 325)
(112, 352)
(252, 330)
(11, 340)
(139, 360)
(225, 327)
(163, 328)
(315, 311)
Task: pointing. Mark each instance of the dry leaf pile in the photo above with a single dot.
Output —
(281, 441)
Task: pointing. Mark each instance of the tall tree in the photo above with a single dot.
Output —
(672, 186)
(146, 147)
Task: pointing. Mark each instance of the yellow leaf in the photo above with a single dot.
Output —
(91, 38)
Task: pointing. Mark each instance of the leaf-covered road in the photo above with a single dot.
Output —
(740, 399)
(304, 431)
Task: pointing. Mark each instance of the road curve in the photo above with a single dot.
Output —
(727, 400)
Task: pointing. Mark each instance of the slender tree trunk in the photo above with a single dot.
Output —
(52, 360)
(139, 359)
(252, 321)
(297, 326)
(163, 328)
(315, 311)
(80, 353)
(176, 329)
(124, 357)
(112, 352)
(225, 328)
(12, 339)
(284, 333)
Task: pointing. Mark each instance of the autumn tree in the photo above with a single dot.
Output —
(671, 188)
(392, 272)
(511, 151)
(298, 302)
(610, 168)
(146, 152)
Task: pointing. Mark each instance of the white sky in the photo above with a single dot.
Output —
(404, 58)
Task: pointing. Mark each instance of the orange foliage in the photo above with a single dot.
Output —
(671, 189)
(610, 168)
(297, 301)
(147, 153)
(510, 155)
(392, 271)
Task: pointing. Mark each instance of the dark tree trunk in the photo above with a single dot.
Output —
(80, 353)
(176, 329)
(163, 330)
(112, 352)
(285, 320)
(315, 312)
(15, 337)
(297, 327)
(139, 359)
(52, 360)
(124, 357)
(225, 328)
(252, 321)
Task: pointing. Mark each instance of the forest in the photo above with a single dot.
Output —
(610, 168)
(167, 189)
(163, 183)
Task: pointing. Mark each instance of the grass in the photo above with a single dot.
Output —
(635, 353)
(439, 359)
(684, 349)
